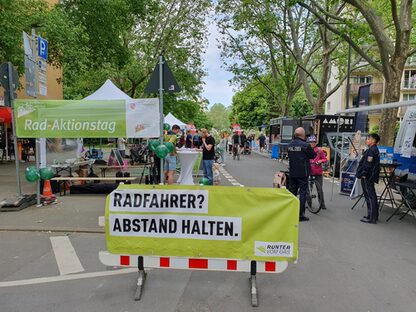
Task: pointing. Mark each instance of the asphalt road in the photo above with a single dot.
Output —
(344, 265)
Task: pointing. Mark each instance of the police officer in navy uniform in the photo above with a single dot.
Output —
(300, 153)
(368, 171)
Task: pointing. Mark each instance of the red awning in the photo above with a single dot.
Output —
(5, 114)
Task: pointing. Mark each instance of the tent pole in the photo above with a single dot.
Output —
(162, 180)
(7, 142)
(335, 160)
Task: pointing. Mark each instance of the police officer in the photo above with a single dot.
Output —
(368, 171)
(300, 153)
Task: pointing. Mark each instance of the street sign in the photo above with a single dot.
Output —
(169, 82)
(42, 48)
(30, 75)
(43, 89)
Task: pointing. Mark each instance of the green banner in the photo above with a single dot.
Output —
(203, 221)
(86, 119)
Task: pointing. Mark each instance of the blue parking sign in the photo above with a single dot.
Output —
(42, 48)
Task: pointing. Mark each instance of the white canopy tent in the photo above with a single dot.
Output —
(172, 120)
(108, 91)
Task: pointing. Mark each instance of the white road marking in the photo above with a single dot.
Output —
(52, 279)
(65, 255)
(230, 178)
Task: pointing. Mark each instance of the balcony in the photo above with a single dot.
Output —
(375, 88)
(409, 84)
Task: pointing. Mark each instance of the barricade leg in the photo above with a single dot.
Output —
(140, 280)
(253, 284)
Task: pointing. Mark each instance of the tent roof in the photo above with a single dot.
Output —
(172, 120)
(108, 91)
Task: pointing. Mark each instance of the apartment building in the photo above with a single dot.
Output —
(366, 75)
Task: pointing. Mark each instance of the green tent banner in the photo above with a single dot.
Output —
(203, 221)
(87, 119)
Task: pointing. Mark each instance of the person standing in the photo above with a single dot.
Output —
(316, 167)
(197, 140)
(208, 153)
(121, 146)
(188, 142)
(262, 141)
(222, 148)
(170, 160)
(230, 144)
(368, 171)
(300, 153)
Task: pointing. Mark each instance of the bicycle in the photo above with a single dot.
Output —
(314, 196)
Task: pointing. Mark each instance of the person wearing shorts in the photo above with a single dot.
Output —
(170, 160)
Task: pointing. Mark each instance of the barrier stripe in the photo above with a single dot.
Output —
(198, 263)
(210, 264)
(164, 262)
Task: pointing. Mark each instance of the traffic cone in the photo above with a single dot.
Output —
(47, 190)
(48, 198)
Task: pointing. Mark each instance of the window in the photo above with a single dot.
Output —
(287, 132)
(409, 79)
(409, 97)
(362, 79)
(328, 106)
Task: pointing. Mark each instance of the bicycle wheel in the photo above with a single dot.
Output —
(313, 199)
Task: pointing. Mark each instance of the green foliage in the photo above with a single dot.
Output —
(219, 116)
(251, 106)
(300, 106)
(17, 16)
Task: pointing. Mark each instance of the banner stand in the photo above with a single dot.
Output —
(253, 284)
(129, 260)
(141, 279)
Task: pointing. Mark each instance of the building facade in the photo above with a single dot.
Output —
(367, 75)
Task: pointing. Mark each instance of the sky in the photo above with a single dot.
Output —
(217, 88)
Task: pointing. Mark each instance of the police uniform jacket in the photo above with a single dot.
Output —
(369, 166)
(299, 154)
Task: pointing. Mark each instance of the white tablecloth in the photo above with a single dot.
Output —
(187, 159)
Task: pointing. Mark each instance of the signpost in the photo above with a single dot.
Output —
(162, 80)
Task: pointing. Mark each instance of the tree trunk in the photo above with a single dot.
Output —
(389, 116)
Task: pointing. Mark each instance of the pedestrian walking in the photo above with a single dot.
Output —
(368, 171)
(208, 153)
(300, 153)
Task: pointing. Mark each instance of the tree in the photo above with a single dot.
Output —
(251, 106)
(250, 51)
(17, 16)
(219, 116)
(390, 22)
(123, 39)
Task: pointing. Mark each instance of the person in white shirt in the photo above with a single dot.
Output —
(121, 146)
